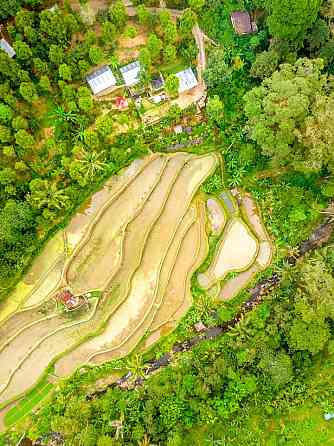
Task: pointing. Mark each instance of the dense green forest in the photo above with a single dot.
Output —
(270, 114)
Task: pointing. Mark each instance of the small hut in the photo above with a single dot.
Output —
(5, 46)
(101, 80)
(70, 301)
(242, 24)
(121, 102)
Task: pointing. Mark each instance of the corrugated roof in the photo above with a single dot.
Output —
(6, 47)
(187, 80)
(241, 22)
(131, 73)
(101, 79)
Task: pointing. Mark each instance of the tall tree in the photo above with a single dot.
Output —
(291, 19)
(291, 116)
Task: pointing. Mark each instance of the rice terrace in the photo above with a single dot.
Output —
(122, 268)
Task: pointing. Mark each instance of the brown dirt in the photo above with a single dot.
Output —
(178, 285)
(252, 213)
(44, 350)
(238, 250)
(22, 318)
(98, 260)
(78, 226)
(134, 332)
(216, 215)
(135, 239)
(232, 287)
(145, 278)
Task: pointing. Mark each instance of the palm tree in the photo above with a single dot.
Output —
(145, 441)
(48, 195)
(135, 365)
(91, 163)
(64, 116)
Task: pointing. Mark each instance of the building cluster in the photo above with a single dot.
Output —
(102, 81)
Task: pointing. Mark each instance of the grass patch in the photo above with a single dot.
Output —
(26, 405)
(174, 67)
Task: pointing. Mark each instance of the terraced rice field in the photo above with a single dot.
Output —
(132, 249)
(123, 246)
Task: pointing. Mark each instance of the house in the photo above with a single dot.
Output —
(4, 45)
(242, 23)
(121, 102)
(68, 299)
(131, 73)
(101, 80)
(157, 82)
(187, 80)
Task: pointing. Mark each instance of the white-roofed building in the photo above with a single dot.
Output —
(187, 80)
(131, 73)
(8, 48)
(101, 80)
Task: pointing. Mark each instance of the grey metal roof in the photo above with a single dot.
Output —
(187, 80)
(131, 73)
(6, 47)
(101, 79)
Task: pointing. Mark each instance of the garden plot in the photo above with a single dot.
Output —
(236, 252)
(22, 375)
(141, 322)
(177, 297)
(81, 222)
(138, 240)
(42, 278)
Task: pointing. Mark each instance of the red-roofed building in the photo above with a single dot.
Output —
(68, 299)
(121, 102)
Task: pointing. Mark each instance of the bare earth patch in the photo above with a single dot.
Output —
(216, 215)
(237, 251)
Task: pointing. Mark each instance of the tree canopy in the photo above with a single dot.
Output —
(290, 116)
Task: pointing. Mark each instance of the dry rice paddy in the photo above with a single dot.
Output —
(133, 249)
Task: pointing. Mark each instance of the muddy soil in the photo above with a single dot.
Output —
(134, 244)
(98, 259)
(237, 251)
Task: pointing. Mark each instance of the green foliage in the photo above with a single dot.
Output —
(265, 64)
(186, 22)
(169, 54)
(289, 116)
(291, 19)
(215, 110)
(28, 91)
(172, 85)
(6, 113)
(117, 14)
(65, 71)
(154, 46)
(95, 55)
(23, 51)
